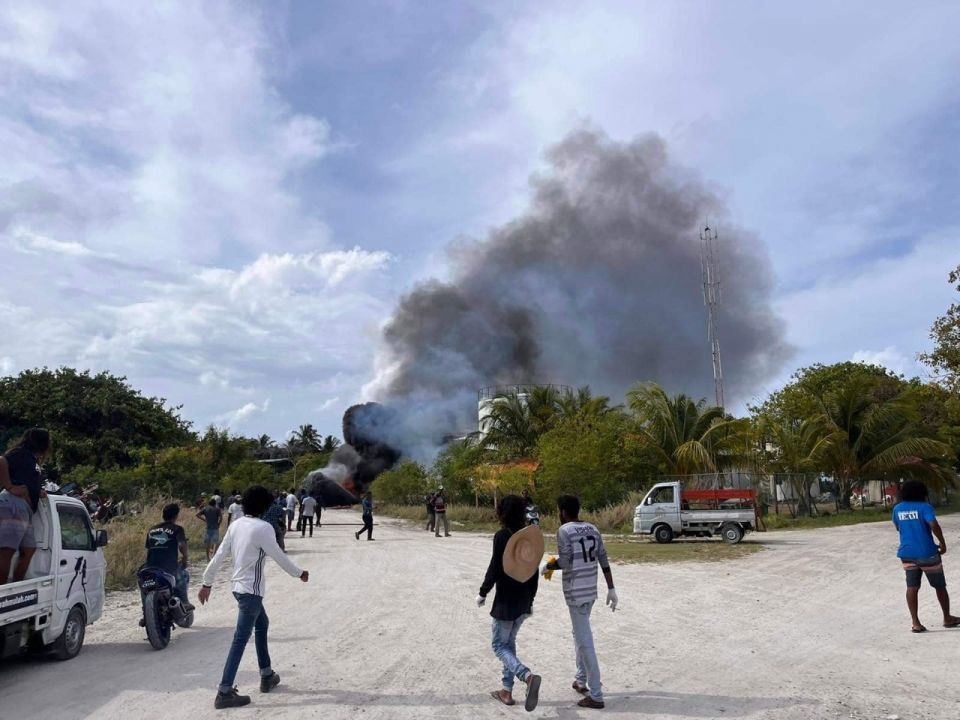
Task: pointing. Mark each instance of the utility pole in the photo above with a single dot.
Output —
(711, 299)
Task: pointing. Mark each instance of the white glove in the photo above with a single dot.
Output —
(612, 599)
(480, 600)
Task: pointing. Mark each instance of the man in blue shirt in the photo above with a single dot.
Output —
(913, 516)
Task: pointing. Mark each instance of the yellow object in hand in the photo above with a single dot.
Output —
(551, 565)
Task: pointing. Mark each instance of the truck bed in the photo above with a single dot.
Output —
(717, 516)
(27, 599)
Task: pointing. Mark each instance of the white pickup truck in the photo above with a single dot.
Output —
(64, 588)
(668, 511)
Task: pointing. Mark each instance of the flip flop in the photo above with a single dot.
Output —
(533, 693)
(955, 623)
(920, 629)
(499, 698)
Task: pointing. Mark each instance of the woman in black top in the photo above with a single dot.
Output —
(22, 490)
(512, 604)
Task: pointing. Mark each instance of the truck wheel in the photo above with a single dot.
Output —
(663, 533)
(732, 533)
(158, 633)
(68, 645)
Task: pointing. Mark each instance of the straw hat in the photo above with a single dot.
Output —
(523, 553)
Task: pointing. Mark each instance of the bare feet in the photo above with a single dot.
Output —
(918, 629)
(951, 621)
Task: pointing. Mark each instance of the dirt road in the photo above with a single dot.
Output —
(815, 627)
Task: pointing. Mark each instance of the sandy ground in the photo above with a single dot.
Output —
(815, 627)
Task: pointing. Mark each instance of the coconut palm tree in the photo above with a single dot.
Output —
(797, 451)
(687, 437)
(306, 438)
(583, 403)
(878, 439)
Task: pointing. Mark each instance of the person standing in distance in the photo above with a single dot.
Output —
(212, 515)
(249, 540)
(580, 551)
(917, 523)
(235, 511)
(307, 510)
(367, 517)
(431, 513)
(440, 508)
(291, 501)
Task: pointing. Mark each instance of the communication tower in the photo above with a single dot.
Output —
(711, 299)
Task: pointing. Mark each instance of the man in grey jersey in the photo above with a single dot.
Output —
(580, 551)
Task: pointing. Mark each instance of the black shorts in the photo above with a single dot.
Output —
(932, 567)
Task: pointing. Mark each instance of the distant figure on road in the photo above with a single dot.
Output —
(532, 513)
(291, 508)
(248, 541)
(367, 517)
(431, 513)
(580, 552)
(307, 509)
(235, 511)
(440, 508)
(212, 515)
(917, 523)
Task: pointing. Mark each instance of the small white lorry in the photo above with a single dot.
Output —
(668, 511)
(64, 588)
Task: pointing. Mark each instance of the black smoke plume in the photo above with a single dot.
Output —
(598, 282)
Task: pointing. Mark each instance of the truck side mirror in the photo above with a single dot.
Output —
(648, 501)
(101, 538)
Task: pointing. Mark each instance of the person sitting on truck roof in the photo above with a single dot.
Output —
(164, 542)
(917, 523)
(22, 490)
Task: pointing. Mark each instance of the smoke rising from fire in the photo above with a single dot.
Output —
(598, 282)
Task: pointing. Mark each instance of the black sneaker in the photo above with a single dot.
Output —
(231, 699)
(269, 682)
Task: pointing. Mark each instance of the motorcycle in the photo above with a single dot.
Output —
(162, 608)
(533, 515)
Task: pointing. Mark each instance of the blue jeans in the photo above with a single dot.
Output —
(588, 669)
(504, 643)
(252, 616)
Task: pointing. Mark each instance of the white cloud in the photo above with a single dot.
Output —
(890, 358)
(236, 419)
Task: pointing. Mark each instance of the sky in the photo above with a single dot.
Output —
(223, 201)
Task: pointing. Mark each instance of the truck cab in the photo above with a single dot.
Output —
(63, 591)
(668, 511)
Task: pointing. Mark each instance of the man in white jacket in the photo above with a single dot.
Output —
(249, 540)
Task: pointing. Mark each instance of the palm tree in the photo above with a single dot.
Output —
(584, 404)
(687, 437)
(306, 438)
(878, 439)
(797, 451)
(330, 443)
(510, 427)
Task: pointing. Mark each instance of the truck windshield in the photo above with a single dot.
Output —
(662, 495)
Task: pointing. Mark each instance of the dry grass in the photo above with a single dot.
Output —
(125, 552)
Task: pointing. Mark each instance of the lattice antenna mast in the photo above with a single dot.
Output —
(711, 299)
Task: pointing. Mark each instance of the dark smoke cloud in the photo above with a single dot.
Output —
(597, 283)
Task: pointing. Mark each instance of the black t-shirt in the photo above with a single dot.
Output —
(163, 546)
(513, 598)
(212, 514)
(24, 471)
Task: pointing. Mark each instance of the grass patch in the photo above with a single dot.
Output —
(615, 522)
(125, 552)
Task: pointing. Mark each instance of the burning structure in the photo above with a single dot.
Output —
(356, 464)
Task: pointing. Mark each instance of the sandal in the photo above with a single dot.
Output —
(533, 693)
(920, 629)
(497, 696)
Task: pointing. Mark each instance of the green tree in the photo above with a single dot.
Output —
(515, 420)
(687, 437)
(796, 451)
(945, 333)
(597, 458)
(306, 439)
(455, 468)
(250, 472)
(96, 420)
(406, 484)
(330, 443)
(875, 439)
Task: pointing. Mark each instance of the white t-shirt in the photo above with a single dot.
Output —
(218, 500)
(235, 510)
(309, 506)
(291, 502)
